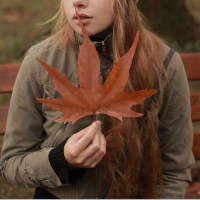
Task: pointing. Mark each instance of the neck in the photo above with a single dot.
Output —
(101, 36)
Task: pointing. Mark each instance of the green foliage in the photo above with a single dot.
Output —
(19, 21)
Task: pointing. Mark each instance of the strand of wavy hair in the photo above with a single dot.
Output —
(133, 158)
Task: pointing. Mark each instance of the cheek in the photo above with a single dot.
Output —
(108, 19)
(67, 9)
(108, 15)
(112, 17)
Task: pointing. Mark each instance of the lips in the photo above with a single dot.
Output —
(85, 19)
(81, 16)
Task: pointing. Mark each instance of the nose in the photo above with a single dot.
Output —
(80, 3)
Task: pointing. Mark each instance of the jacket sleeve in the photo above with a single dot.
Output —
(176, 132)
(22, 160)
(65, 172)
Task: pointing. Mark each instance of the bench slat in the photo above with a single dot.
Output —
(196, 146)
(8, 74)
(195, 105)
(192, 65)
(3, 118)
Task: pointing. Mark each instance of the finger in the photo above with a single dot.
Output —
(92, 161)
(89, 151)
(88, 136)
(94, 147)
(75, 137)
(72, 153)
(79, 134)
(69, 148)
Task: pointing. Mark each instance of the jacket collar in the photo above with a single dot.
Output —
(102, 44)
(104, 47)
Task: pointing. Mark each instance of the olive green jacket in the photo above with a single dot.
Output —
(32, 132)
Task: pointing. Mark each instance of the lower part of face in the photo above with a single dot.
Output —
(95, 15)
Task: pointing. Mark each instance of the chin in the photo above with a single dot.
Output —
(88, 30)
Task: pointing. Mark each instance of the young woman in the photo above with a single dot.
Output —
(147, 157)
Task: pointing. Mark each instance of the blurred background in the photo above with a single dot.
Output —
(178, 22)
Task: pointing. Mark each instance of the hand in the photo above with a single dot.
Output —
(86, 148)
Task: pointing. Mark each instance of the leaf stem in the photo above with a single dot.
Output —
(94, 118)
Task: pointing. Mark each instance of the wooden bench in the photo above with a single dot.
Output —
(191, 61)
(192, 67)
(8, 73)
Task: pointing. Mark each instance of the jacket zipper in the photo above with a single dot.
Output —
(103, 48)
(58, 135)
(103, 44)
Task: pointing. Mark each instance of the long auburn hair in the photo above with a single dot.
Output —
(132, 160)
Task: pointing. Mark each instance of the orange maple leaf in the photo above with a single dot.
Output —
(92, 97)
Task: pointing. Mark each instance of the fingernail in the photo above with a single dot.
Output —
(97, 123)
